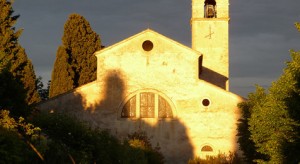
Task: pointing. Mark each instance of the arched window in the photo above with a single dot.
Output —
(129, 109)
(210, 9)
(207, 148)
(146, 104)
(164, 108)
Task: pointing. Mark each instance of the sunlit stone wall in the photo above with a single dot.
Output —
(204, 116)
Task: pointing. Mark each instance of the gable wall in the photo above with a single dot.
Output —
(171, 71)
(166, 61)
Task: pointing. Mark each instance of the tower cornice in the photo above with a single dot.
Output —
(210, 19)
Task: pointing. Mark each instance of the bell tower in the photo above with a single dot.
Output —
(210, 36)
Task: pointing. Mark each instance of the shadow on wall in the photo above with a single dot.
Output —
(100, 104)
(170, 134)
(113, 91)
(213, 77)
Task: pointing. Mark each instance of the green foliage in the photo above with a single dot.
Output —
(43, 92)
(76, 141)
(4, 63)
(140, 150)
(19, 125)
(14, 139)
(72, 140)
(62, 74)
(75, 63)
(6, 121)
(285, 101)
(64, 139)
(12, 148)
(12, 94)
(297, 26)
(81, 43)
(272, 121)
(66, 132)
(221, 158)
(20, 67)
(246, 144)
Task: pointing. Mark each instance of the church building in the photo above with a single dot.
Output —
(178, 95)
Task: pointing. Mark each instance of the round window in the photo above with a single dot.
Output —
(147, 45)
(205, 102)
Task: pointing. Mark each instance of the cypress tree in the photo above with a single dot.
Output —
(62, 74)
(77, 65)
(20, 67)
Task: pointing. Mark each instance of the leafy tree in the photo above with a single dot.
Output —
(247, 145)
(75, 63)
(20, 67)
(270, 129)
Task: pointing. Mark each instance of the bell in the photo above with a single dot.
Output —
(210, 11)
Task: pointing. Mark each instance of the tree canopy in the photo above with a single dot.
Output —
(75, 62)
(13, 54)
(270, 128)
(12, 94)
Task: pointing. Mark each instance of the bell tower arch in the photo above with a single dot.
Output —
(210, 36)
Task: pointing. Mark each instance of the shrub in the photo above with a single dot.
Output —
(71, 140)
(139, 149)
(16, 137)
(221, 158)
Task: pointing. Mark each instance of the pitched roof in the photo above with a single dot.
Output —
(147, 32)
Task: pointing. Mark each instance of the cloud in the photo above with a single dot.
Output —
(261, 35)
(263, 54)
(261, 32)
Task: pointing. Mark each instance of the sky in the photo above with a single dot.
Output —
(261, 31)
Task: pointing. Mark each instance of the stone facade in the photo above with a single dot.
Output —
(153, 84)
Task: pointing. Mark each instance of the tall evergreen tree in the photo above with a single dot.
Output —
(20, 66)
(75, 63)
(272, 119)
(62, 74)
